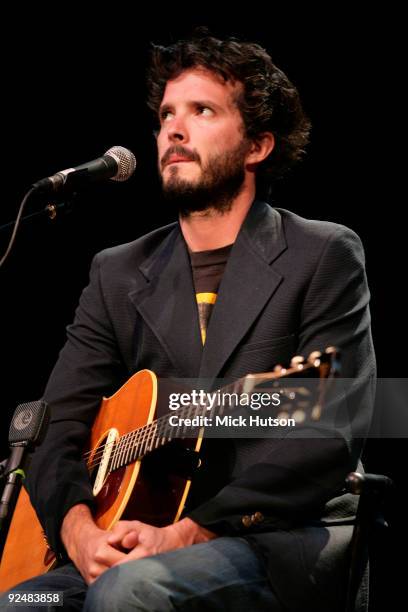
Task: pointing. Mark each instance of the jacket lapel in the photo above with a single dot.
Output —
(247, 284)
(167, 303)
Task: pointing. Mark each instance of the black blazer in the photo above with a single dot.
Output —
(290, 286)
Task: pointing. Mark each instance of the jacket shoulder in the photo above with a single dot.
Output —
(296, 226)
(311, 238)
(133, 253)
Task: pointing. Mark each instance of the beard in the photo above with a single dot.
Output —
(221, 181)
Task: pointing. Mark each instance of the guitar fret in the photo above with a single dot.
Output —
(142, 447)
(121, 451)
(146, 438)
(128, 450)
(142, 443)
(153, 429)
(135, 445)
(115, 456)
(161, 430)
(125, 446)
(150, 436)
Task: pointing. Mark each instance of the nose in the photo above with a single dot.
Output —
(177, 131)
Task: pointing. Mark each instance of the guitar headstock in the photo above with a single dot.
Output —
(318, 364)
(303, 400)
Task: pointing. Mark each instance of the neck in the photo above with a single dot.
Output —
(211, 229)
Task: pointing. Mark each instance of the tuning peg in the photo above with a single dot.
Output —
(316, 412)
(314, 358)
(299, 416)
(297, 362)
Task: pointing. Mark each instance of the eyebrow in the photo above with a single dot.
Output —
(192, 103)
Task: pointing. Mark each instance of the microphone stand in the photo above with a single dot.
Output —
(12, 468)
(51, 210)
(14, 484)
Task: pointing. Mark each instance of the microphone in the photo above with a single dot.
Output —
(27, 430)
(118, 164)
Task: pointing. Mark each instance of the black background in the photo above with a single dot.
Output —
(75, 87)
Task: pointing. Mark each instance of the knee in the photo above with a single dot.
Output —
(4, 602)
(106, 593)
(141, 585)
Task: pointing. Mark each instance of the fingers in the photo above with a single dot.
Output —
(93, 555)
(94, 562)
(137, 553)
(121, 529)
(130, 540)
(93, 571)
(107, 555)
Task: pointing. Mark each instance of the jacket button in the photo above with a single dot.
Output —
(246, 520)
(258, 517)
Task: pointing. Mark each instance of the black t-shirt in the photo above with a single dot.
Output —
(208, 268)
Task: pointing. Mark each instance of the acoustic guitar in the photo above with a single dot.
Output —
(140, 467)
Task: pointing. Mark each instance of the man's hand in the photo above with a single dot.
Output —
(87, 545)
(145, 540)
(94, 550)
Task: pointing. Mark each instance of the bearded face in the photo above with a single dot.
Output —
(216, 185)
(202, 144)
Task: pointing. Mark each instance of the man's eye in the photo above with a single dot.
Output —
(205, 110)
(166, 115)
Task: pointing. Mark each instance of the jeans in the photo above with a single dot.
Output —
(222, 574)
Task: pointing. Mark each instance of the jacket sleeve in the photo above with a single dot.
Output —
(299, 474)
(89, 367)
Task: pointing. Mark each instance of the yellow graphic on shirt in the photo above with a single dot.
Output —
(205, 303)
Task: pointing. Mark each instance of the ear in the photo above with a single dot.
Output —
(260, 148)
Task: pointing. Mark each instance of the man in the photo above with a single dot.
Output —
(278, 285)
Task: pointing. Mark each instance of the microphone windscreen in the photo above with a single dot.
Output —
(29, 423)
(125, 160)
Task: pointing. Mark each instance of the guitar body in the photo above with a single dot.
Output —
(25, 553)
(152, 489)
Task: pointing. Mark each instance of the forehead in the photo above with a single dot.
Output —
(200, 84)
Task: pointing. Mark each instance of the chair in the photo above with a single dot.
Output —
(372, 489)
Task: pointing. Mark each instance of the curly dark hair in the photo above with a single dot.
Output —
(268, 100)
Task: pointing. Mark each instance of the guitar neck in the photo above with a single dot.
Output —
(192, 417)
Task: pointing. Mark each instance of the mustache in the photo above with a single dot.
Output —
(179, 150)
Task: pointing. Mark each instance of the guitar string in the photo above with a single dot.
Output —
(139, 432)
(137, 438)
